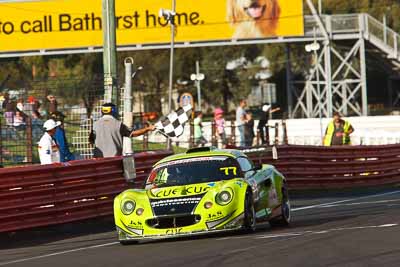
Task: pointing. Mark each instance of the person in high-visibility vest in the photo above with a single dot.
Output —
(338, 132)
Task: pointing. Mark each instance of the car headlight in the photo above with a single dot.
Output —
(128, 206)
(224, 197)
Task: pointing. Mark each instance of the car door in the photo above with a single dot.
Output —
(252, 176)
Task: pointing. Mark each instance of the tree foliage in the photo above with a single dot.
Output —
(221, 85)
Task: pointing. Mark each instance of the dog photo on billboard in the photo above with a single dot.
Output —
(253, 18)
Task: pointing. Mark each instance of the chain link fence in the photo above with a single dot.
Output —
(24, 110)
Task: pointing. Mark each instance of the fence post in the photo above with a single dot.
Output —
(276, 142)
(191, 136)
(214, 139)
(233, 133)
(29, 152)
(1, 142)
(285, 136)
(146, 141)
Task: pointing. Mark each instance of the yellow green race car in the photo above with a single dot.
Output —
(202, 191)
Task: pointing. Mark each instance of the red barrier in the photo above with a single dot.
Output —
(308, 167)
(52, 194)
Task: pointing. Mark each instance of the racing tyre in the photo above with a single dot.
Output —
(249, 224)
(284, 219)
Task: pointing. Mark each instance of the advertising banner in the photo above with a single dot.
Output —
(66, 24)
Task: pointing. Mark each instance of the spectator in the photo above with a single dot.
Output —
(108, 133)
(19, 121)
(9, 108)
(249, 130)
(199, 139)
(338, 132)
(240, 120)
(52, 105)
(37, 125)
(5, 101)
(48, 149)
(220, 125)
(20, 105)
(33, 103)
(61, 139)
(262, 126)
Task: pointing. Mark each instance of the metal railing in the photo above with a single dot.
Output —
(371, 29)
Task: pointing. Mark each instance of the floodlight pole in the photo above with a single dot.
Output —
(171, 58)
(320, 7)
(128, 116)
(109, 52)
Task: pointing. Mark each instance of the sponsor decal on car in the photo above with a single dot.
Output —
(173, 231)
(179, 191)
(214, 216)
(189, 160)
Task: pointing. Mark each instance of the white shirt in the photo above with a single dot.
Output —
(240, 113)
(48, 150)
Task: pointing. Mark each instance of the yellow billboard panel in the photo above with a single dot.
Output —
(66, 24)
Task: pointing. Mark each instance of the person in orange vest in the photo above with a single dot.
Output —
(338, 131)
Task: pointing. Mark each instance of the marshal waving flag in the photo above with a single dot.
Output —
(173, 125)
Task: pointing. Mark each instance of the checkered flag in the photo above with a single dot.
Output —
(173, 125)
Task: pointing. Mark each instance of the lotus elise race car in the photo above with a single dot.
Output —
(201, 191)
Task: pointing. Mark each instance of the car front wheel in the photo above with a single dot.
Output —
(249, 214)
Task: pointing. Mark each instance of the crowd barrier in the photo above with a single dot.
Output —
(35, 196)
(309, 167)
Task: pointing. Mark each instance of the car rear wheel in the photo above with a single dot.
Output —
(249, 214)
(284, 218)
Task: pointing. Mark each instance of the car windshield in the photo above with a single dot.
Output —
(193, 171)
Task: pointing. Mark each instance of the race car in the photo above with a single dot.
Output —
(202, 191)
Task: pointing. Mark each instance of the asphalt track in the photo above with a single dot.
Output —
(346, 228)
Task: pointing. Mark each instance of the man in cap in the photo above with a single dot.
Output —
(108, 132)
(61, 139)
(48, 149)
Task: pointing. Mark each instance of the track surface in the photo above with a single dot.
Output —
(329, 229)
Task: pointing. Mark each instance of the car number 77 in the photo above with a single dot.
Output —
(226, 170)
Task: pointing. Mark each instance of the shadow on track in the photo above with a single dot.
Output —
(49, 234)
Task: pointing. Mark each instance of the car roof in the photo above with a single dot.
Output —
(203, 152)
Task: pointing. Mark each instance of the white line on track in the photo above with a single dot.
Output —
(344, 201)
(327, 231)
(291, 234)
(57, 253)
(265, 236)
(363, 203)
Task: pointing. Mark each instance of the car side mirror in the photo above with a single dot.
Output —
(257, 166)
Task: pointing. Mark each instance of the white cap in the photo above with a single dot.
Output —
(265, 108)
(51, 124)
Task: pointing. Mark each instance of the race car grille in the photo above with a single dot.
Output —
(175, 206)
(173, 222)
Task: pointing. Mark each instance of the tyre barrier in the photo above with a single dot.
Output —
(45, 195)
(311, 167)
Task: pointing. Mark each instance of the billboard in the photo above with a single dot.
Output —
(66, 24)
